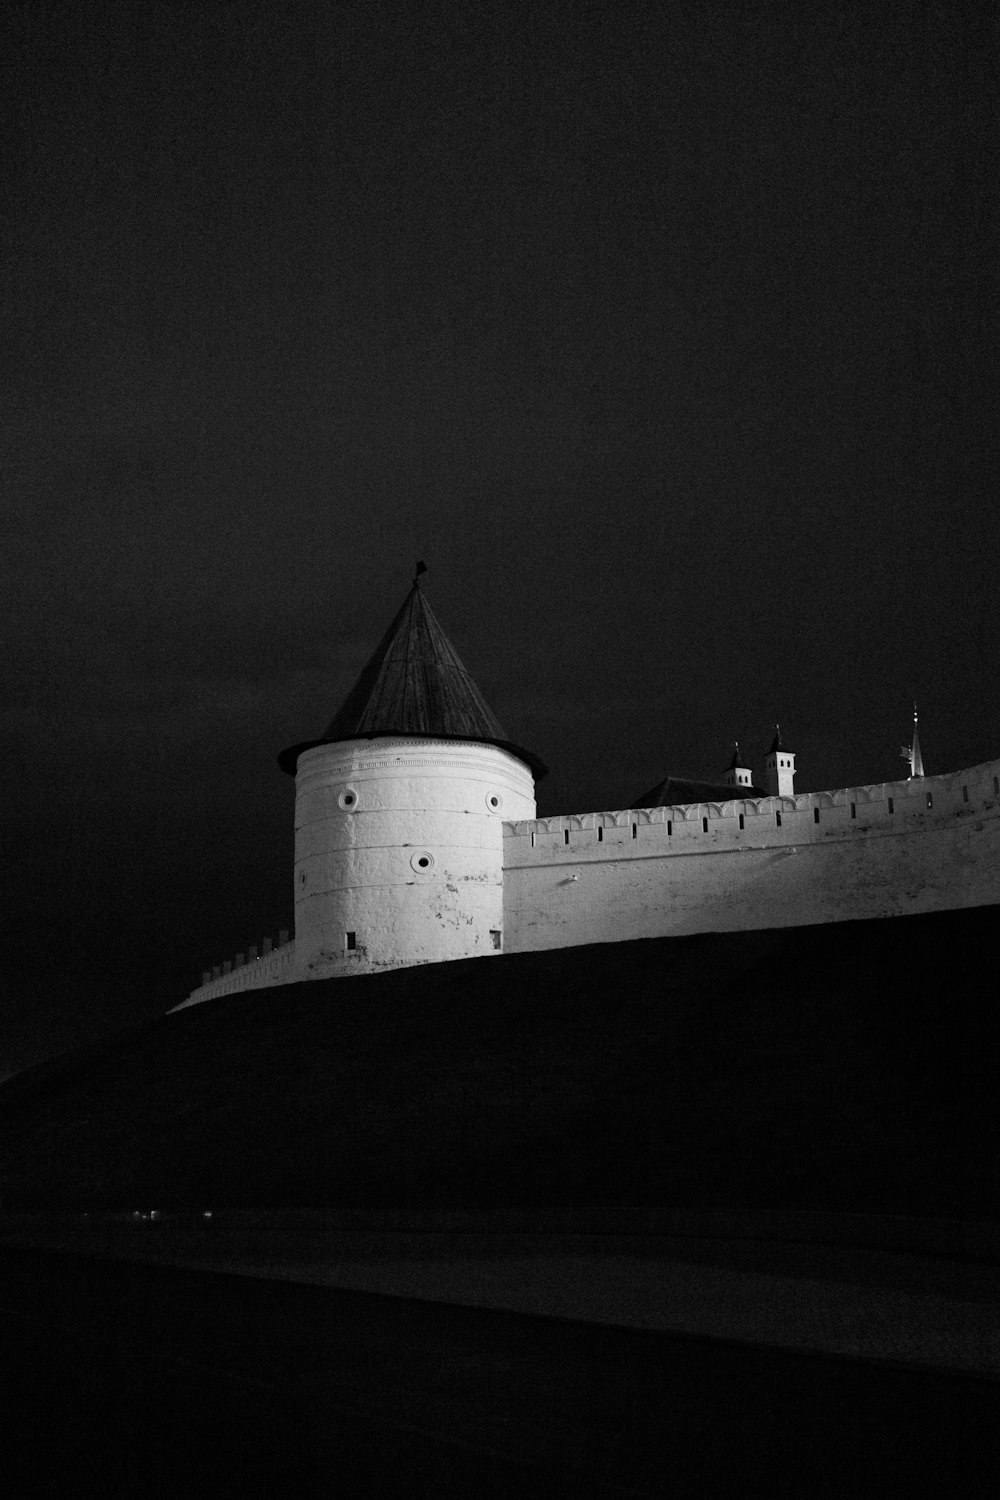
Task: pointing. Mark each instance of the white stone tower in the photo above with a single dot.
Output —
(399, 812)
(737, 774)
(779, 768)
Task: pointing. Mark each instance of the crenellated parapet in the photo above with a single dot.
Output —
(920, 844)
(403, 855)
(251, 973)
(809, 817)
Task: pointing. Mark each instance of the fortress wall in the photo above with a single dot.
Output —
(924, 845)
(277, 967)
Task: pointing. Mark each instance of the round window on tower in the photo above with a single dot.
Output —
(494, 802)
(422, 862)
(348, 799)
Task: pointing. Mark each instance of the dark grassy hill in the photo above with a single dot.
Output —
(848, 1067)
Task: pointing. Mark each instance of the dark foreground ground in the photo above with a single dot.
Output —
(847, 1067)
(129, 1380)
(842, 1079)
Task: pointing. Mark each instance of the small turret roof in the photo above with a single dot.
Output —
(414, 684)
(778, 743)
(737, 763)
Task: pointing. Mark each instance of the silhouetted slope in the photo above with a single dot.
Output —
(848, 1067)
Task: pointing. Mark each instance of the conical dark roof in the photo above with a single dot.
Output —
(415, 684)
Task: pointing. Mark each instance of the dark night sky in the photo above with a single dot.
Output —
(665, 333)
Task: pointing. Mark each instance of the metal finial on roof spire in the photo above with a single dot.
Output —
(421, 568)
(912, 752)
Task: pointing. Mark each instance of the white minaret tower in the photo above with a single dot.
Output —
(779, 767)
(912, 753)
(737, 774)
(399, 812)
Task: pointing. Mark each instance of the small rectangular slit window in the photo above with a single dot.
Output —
(635, 830)
(600, 835)
(996, 786)
(352, 941)
(741, 820)
(965, 794)
(854, 809)
(532, 841)
(670, 826)
(892, 805)
(777, 820)
(815, 814)
(704, 825)
(565, 835)
(930, 799)
(495, 938)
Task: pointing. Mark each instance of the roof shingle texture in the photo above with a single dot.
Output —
(415, 684)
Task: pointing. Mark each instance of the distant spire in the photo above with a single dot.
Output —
(912, 753)
(421, 568)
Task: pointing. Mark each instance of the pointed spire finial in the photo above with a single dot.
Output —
(912, 751)
(421, 568)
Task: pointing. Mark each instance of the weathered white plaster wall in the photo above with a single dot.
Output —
(400, 842)
(277, 967)
(931, 844)
(664, 871)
